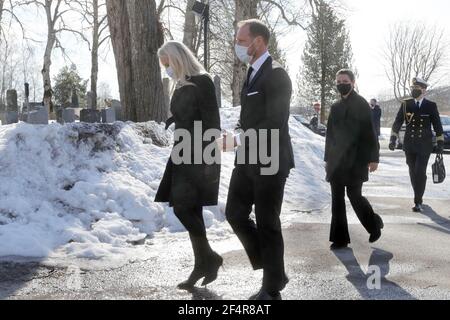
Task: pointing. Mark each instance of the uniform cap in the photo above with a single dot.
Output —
(419, 82)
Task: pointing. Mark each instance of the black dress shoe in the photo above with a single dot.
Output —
(417, 208)
(338, 246)
(374, 237)
(263, 295)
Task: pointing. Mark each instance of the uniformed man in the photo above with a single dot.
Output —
(419, 114)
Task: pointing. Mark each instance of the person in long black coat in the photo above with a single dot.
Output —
(351, 151)
(191, 185)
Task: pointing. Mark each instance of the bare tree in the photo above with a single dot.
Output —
(224, 15)
(136, 37)
(54, 11)
(94, 14)
(413, 51)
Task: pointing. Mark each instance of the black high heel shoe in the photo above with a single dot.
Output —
(212, 269)
(195, 276)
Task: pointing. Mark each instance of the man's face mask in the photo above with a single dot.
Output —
(242, 53)
(344, 88)
(416, 92)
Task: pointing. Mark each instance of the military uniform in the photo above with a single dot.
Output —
(419, 116)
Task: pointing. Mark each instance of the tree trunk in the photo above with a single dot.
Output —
(51, 40)
(94, 53)
(190, 27)
(134, 34)
(120, 36)
(245, 9)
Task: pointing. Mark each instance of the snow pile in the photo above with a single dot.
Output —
(87, 190)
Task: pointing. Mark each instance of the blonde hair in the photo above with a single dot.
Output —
(183, 62)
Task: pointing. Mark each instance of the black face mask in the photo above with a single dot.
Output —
(344, 88)
(416, 93)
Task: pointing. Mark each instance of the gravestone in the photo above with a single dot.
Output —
(75, 100)
(90, 115)
(59, 110)
(68, 115)
(11, 101)
(38, 117)
(108, 115)
(9, 117)
(117, 106)
(218, 85)
(12, 108)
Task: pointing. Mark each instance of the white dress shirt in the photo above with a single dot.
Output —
(419, 101)
(258, 64)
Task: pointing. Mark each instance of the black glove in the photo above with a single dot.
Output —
(393, 143)
(440, 147)
(169, 122)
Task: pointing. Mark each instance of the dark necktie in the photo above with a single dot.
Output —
(418, 104)
(250, 71)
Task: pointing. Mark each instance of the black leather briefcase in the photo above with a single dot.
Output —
(439, 169)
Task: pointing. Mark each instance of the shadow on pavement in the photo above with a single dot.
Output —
(14, 275)
(388, 290)
(204, 294)
(443, 225)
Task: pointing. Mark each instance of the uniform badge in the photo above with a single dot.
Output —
(409, 117)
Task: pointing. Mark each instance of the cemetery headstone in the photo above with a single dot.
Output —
(117, 106)
(68, 115)
(38, 117)
(108, 115)
(90, 115)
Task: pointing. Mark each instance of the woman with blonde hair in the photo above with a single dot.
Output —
(189, 187)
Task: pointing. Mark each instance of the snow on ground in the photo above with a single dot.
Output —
(83, 191)
(75, 191)
(385, 134)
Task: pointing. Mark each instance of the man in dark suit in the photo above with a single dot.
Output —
(265, 101)
(351, 151)
(377, 113)
(419, 114)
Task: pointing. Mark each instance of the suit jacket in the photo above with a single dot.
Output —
(376, 118)
(192, 184)
(418, 135)
(266, 105)
(351, 143)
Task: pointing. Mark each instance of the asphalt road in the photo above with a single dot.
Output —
(413, 260)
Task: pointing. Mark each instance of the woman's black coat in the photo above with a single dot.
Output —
(190, 185)
(351, 141)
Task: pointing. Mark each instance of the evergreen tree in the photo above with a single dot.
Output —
(328, 49)
(66, 82)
